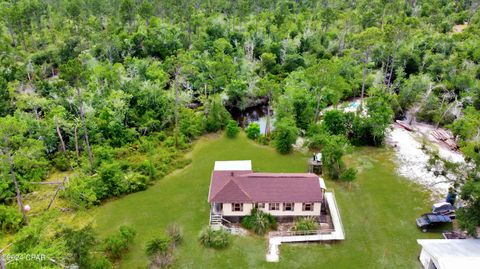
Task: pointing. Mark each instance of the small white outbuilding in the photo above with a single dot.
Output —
(233, 166)
(450, 253)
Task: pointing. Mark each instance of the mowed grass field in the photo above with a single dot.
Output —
(378, 212)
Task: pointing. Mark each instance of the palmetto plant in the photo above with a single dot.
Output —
(305, 224)
(215, 238)
(259, 221)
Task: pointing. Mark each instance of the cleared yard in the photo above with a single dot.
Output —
(378, 211)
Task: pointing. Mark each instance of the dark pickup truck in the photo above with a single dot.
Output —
(431, 220)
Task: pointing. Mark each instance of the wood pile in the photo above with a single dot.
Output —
(445, 137)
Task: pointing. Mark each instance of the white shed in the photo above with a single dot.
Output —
(233, 166)
(450, 254)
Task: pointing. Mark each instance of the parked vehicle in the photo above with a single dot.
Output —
(431, 220)
(444, 208)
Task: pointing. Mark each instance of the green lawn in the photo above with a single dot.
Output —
(378, 213)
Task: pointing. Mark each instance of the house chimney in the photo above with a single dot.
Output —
(232, 174)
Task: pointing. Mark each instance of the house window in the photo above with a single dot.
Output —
(274, 206)
(287, 206)
(260, 205)
(307, 206)
(237, 207)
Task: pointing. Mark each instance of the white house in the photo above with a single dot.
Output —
(450, 253)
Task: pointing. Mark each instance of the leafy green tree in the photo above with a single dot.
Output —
(145, 10)
(237, 94)
(285, 135)
(469, 215)
(335, 122)
(217, 116)
(348, 175)
(5, 98)
(334, 147)
(232, 129)
(380, 115)
(365, 43)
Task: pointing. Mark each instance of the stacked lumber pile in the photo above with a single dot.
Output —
(445, 137)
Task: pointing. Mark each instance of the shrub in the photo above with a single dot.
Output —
(157, 245)
(60, 161)
(101, 263)
(112, 178)
(147, 168)
(348, 175)
(190, 123)
(118, 243)
(259, 221)
(159, 250)
(217, 239)
(253, 130)
(10, 219)
(175, 233)
(80, 243)
(146, 145)
(232, 129)
(305, 224)
(135, 182)
(263, 139)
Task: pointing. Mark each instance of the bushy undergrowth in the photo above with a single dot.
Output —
(120, 171)
(10, 219)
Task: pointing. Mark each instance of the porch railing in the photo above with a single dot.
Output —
(300, 233)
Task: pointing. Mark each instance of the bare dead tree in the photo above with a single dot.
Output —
(76, 141)
(84, 124)
(6, 151)
(62, 142)
(176, 83)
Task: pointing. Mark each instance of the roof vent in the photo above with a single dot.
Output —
(232, 174)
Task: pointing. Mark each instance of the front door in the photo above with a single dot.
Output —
(217, 208)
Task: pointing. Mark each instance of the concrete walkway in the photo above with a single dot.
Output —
(336, 234)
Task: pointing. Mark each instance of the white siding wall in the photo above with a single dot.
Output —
(227, 210)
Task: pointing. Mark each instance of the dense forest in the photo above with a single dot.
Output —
(116, 91)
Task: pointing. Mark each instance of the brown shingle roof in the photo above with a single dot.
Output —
(246, 186)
